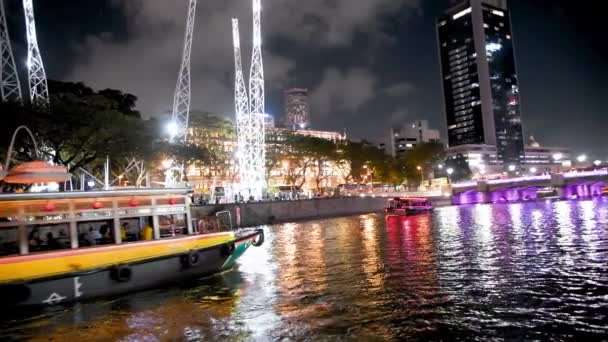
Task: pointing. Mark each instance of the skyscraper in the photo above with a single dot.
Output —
(297, 110)
(479, 78)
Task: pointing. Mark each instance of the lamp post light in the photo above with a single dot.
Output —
(450, 171)
(419, 168)
(597, 162)
(172, 129)
(582, 158)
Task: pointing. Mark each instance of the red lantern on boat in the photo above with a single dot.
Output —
(97, 205)
(133, 202)
(49, 206)
(172, 201)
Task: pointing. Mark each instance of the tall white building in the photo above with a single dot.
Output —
(297, 109)
(404, 138)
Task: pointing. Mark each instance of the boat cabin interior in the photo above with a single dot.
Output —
(398, 203)
(45, 222)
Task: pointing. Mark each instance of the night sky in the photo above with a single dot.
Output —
(369, 64)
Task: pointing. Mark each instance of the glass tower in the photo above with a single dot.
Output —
(479, 78)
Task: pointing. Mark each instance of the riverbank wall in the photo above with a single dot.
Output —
(260, 213)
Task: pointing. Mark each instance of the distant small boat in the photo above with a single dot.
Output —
(408, 206)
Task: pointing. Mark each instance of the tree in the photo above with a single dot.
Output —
(82, 127)
(420, 160)
(217, 135)
(360, 158)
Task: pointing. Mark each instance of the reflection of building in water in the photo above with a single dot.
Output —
(300, 246)
(409, 254)
(371, 259)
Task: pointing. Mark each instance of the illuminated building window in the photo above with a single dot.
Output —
(461, 13)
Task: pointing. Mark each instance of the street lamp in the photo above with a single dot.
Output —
(449, 171)
(597, 162)
(582, 158)
(172, 129)
(419, 168)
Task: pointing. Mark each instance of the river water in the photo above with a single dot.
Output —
(515, 271)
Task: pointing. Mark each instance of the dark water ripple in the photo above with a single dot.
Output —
(536, 271)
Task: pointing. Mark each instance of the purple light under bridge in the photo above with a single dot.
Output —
(582, 190)
(469, 197)
(511, 195)
(507, 195)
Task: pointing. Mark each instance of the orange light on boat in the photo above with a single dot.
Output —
(49, 206)
(97, 205)
(133, 202)
(37, 172)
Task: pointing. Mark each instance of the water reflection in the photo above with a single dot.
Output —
(481, 272)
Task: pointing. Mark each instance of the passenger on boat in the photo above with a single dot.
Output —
(51, 242)
(147, 233)
(34, 238)
(123, 231)
(94, 236)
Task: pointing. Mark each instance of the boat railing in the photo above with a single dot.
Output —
(223, 216)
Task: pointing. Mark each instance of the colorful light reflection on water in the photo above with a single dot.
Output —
(517, 271)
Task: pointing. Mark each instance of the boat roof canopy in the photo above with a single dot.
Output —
(93, 194)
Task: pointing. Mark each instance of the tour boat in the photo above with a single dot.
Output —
(61, 247)
(408, 206)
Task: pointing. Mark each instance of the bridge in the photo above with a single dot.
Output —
(568, 185)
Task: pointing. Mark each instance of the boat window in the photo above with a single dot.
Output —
(172, 225)
(8, 242)
(131, 229)
(48, 237)
(95, 233)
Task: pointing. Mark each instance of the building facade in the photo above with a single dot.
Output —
(218, 135)
(297, 109)
(483, 160)
(479, 79)
(404, 138)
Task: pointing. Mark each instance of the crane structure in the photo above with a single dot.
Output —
(10, 88)
(39, 90)
(250, 120)
(181, 100)
(241, 102)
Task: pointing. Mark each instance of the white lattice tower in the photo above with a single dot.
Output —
(39, 91)
(256, 75)
(181, 99)
(256, 153)
(241, 103)
(10, 89)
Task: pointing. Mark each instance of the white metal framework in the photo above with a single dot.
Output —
(10, 89)
(241, 102)
(39, 91)
(252, 150)
(181, 99)
(256, 74)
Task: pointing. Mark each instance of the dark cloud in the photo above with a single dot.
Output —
(147, 62)
(369, 64)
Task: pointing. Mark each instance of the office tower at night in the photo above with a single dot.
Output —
(479, 78)
(297, 109)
